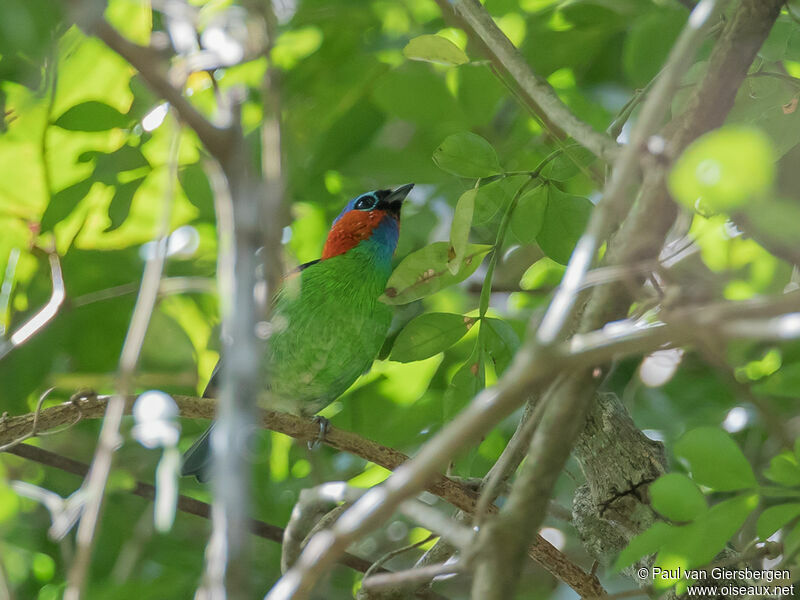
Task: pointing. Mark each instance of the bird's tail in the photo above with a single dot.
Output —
(197, 459)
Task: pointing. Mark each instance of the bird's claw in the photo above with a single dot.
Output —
(324, 427)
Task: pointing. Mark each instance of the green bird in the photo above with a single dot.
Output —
(327, 322)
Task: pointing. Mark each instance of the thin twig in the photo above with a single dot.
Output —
(411, 577)
(38, 321)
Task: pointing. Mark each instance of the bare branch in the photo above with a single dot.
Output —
(412, 577)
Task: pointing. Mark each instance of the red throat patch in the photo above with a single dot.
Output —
(354, 227)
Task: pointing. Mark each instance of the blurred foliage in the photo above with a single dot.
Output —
(371, 98)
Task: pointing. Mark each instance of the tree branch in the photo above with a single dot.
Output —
(149, 62)
(532, 368)
(185, 503)
(641, 236)
(618, 196)
(539, 94)
(14, 429)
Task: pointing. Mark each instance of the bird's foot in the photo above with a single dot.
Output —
(324, 427)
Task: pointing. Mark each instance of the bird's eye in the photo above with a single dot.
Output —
(366, 202)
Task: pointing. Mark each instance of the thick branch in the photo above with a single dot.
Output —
(641, 237)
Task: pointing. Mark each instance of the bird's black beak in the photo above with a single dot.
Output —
(394, 201)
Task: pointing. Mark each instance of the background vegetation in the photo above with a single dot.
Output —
(372, 95)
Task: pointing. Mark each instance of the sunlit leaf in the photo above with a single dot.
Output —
(644, 544)
(545, 272)
(435, 48)
(677, 497)
(459, 230)
(784, 469)
(464, 385)
(724, 170)
(776, 517)
(467, 154)
(701, 541)
(429, 334)
(425, 272)
(715, 460)
(9, 502)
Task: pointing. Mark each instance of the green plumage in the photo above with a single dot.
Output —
(328, 327)
(327, 322)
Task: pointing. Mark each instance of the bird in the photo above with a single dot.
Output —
(327, 323)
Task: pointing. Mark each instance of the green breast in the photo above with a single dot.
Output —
(328, 326)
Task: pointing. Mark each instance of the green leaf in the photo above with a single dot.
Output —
(429, 334)
(649, 41)
(545, 272)
(783, 383)
(198, 190)
(9, 502)
(791, 542)
(436, 49)
(677, 497)
(459, 230)
(774, 47)
(92, 116)
(467, 154)
(125, 158)
(569, 163)
(715, 460)
(425, 272)
(63, 202)
(776, 517)
(784, 469)
(724, 170)
(501, 342)
(645, 544)
(770, 104)
(463, 387)
(565, 218)
(528, 216)
(699, 542)
(120, 206)
(777, 220)
(491, 199)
